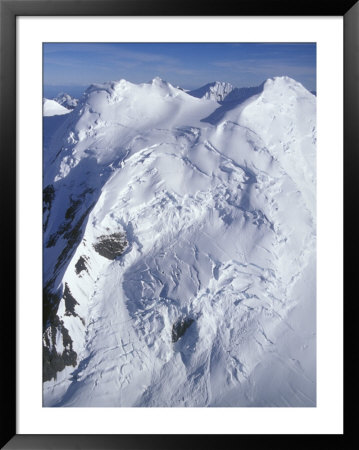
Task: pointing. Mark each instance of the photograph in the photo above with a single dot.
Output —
(175, 183)
(179, 224)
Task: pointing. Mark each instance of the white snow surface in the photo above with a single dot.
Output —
(53, 108)
(221, 224)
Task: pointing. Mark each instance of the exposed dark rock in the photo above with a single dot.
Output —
(70, 302)
(180, 327)
(80, 266)
(48, 196)
(72, 237)
(70, 214)
(70, 231)
(111, 246)
(51, 242)
(63, 228)
(53, 361)
(50, 303)
(72, 209)
(66, 339)
(51, 364)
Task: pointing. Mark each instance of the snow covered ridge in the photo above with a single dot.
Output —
(217, 91)
(53, 108)
(60, 105)
(179, 247)
(66, 100)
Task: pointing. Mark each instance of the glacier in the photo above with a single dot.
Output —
(179, 234)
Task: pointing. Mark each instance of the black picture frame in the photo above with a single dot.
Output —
(9, 10)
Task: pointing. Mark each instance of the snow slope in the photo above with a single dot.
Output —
(52, 108)
(179, 253)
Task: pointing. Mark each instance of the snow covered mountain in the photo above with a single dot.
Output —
(66, 100)
(179, 248)
(53, 108)
(216, 90)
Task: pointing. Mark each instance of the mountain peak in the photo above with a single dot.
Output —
(282, 83)
(171, 244)
(53, 108)
(159, 81)
(216, 90)
(66, 100)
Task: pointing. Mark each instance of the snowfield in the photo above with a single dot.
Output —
(53, 108)
(180, 247)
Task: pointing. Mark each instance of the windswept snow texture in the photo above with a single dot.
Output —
(204, 290)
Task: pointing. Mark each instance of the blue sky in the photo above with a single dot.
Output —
(74, 66)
